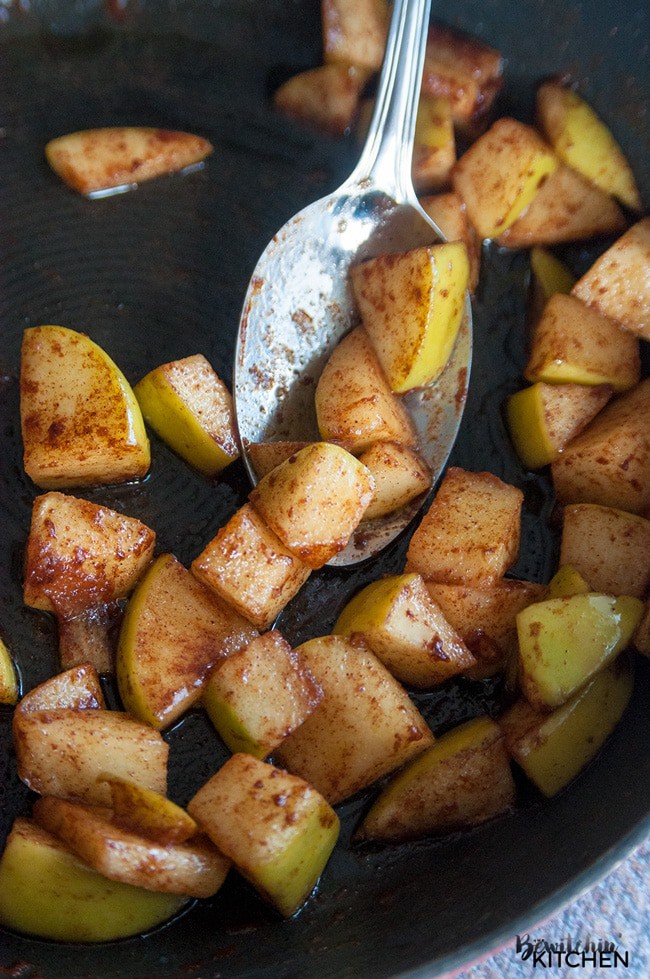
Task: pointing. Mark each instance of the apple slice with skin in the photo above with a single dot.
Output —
(174, 631)
(450, 214)
(411, 306)
(9, 687)
(95, 160)
(191, 409)
(45, 890)
(77, 689)
(148, 813)
(81, 424)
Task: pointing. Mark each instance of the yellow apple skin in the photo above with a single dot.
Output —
(411, 306)
(563, 642)
(9, 686)
(81, 423)
(47, 891)
(137, 808)
(553, 748)
(584, 142)
(191, 410)
(550, 274)
(567, 581)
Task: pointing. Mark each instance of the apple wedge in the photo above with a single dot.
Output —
(77, 689)
(95, 160)
(173, 633)
(610, 548)
(400, 476)
(80, 421)
(9, 687)
(449, 213)
(411, 306)
(46, 891)
(191, 409)
(148, 813)
(265, 456)
(325, 98)
(434, 148)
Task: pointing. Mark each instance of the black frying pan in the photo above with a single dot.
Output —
(160, 274)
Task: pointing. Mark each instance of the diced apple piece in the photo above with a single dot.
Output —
(355, 406)
(642, 634)
(76, 689)
(542, 418)
(325, 98)
(500, 174)
(365, 726)
(566, 581)
(463, 780)
(174, 630)
(80, 421)
(610, 548)
(249, 567)
(191, 409)
(45, 890)
(411, 306)
(88, 637)
(486, 617)
(548, 276)
(574, 344)
(404, 628)
(553, 748)
(80, 555)
(314, 501)
(609, 462)
(434, 148)
(355, 31)
(258, 696)
(265, 456)
(400, 476)
(277, 830)
(9, 688)
(101, 159)
(195, 868)
(583, 141)
(618, 283)
(565, 208)
(148, 813)
(463, 70)
(449, 213)
(470, 534)
(563, 642)
(62, 752)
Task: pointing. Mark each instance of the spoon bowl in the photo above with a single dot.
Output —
(299, 301)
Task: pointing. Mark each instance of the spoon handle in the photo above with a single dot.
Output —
(386, 157)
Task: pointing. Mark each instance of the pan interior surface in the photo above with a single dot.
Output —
(160, 273)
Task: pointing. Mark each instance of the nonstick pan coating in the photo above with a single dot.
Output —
(159, 274)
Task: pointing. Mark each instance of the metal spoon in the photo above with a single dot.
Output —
(299, 304)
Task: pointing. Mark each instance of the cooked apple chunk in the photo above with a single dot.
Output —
(542, 418)
(610, 548)
(583, 141)
(249, 567)
(265, 456)
(62, 752)
(574, 344)
(174, 630)
(45, 890)
(400, 476)
(553, 748)
(96, 160)
(499, 175)
(80, 555)
(278, 831)
(364, 727)
(463, 70)
(194, 868)
(406, 630)
(618, 283)
(148, 813)
(9, 688)
(259, 695)
(78, 688)
(566, 581)
(434, 147)
(325, 98)
(609, 462)
(81, 424)
(548, 275)
(191, 409)
(463, 780)
(314, 501)
(355, 31)
(355, 406)
(470, 534)
(563, 642)
(449, 213)
(411, 306)
(565, 208)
